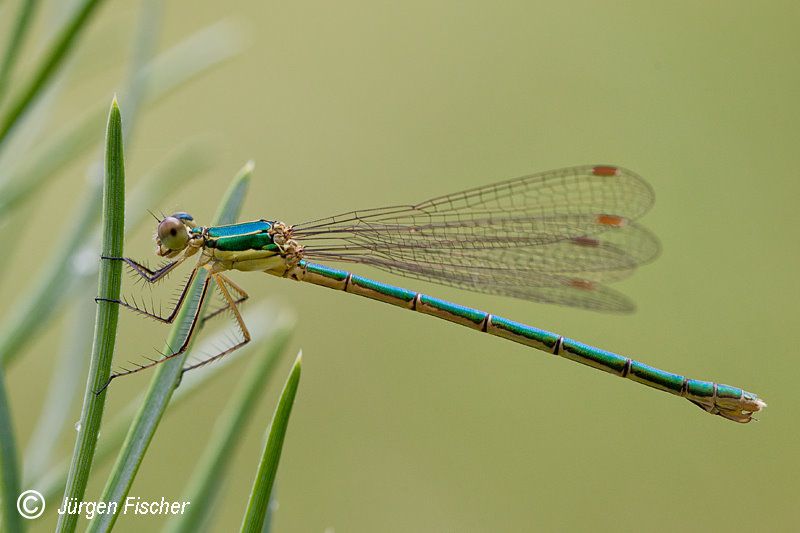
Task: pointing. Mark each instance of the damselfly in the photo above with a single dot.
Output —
(555, 237)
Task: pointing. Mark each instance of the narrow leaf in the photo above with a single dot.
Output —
(9, 469)
(106, 318)
(15, 39)
(265, 477)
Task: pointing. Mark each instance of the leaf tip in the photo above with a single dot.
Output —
(243, 176)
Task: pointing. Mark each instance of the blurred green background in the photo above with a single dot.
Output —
(406, 423)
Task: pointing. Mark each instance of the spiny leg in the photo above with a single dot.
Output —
(143, 310)
(241, 296)
(225, 285)
(179, 351)
(151, 276)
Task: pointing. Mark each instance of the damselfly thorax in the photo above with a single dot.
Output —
(260, 245)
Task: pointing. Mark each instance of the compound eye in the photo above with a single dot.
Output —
(172, 234)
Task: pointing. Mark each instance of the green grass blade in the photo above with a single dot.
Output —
(110, 282)
(265, 477)
(49, 65)
(228, 210)
(20, 29)
(9, 469)
(165, 379)
(203, 487)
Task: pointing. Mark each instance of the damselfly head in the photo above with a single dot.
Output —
(173, 233)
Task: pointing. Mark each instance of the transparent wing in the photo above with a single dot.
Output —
(554, 289)
(606, 257)
(551, 237)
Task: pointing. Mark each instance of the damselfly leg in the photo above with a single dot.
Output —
(226, 287)
(239, 295)
(151, 276)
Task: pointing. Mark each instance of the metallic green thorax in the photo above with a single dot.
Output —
(239, 237)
